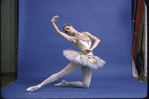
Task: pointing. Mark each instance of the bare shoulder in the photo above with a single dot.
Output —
(86, 32)
(90, 35)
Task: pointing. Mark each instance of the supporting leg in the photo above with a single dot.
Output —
(86, 75)
(68, 69)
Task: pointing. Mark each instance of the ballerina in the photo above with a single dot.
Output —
(83, 59)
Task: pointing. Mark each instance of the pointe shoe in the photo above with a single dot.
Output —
(63, 83)
(32, 88)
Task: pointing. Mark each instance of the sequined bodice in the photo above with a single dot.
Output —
(84, 37)
(84, 42)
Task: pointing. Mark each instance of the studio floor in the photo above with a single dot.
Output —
(115, 86)
(10, 77)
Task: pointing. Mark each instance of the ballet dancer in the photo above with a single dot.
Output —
(83, 59)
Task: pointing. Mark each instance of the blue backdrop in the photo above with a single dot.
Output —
(40, 48)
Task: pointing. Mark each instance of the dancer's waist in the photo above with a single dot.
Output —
(86, 53)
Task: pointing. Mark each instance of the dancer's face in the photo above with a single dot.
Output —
(69, 29)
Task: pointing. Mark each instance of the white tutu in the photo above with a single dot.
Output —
(91, 61)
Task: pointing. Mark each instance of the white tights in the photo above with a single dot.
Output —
(86, 75)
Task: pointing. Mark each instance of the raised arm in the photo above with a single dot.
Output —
(65, 36)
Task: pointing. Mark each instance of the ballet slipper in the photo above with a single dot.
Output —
(32, 88)
(63, 83)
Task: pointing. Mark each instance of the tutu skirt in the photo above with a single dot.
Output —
(91, 61)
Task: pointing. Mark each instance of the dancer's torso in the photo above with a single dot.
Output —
(83, 42)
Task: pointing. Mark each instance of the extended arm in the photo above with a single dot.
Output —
(65, 36)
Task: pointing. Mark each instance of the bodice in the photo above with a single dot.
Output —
(84, 42)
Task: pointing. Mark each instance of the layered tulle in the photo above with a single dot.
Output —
(91, 61)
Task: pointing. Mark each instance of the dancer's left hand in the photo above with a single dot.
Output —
(88, 50)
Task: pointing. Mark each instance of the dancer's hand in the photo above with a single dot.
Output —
(86, 51)
(54, 18)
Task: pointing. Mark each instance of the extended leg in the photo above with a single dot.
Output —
(68, 69)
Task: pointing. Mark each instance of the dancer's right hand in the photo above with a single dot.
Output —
(54, 18)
